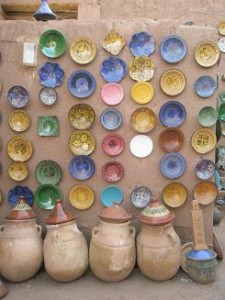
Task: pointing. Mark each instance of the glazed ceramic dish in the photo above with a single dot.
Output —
(18, 96)
(19, 149)
(19, 120)
(221, 113)
(141, 69)
(113, 144)
(173, 49)
(110, 195)
(141, 196)
(171, 139)
(112, 93)
(141, 145)
(112, 171)
(221, 28)
(221, 44)
(142, 44)
(18, 171)
(17, 191)
(205, 86)
(203, 140)
(172, 165)
(172, 82)
(113, 42)
(205, 192)
(142, 92)
(82, 167)
(48, 96)
(205, 169)
(48, 126)
(82, 50)
(111, 119)
(207, 116)
(51, 75)
(81, 84)
(48, 172)
(172, 114)
(82, 142)
(143, 120)
(81, 116)
(46, 195)
(52, 43)
(207, 54)
(81, 197)
(113, 69)
(174, 194)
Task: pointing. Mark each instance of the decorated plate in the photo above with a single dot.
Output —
(17, 191)
(18, 96)
(110, 195)
(82, 50)
(112, 93)
(113, 42)
(81, 116)
(203, 140)
(46, 195)
(171, 139)
(172, 82)
(142, 44)
(52, 43)
(205, 192)
(205, 169)
(81, 196)
(205, 86)
(221, 112)
(111, 119)
(174, 194)
(221, 44)
(18, 171)
(112, 171)
(207, 54)
(48, 126)
(51, 75)
(82, 142)
(172, 114)
(82, 167)
(48, 172)
(48, 96)
(141, 68)
(113, 69)
(207, 116)
(143, 120)
(19, 149)
(141, 196)
(19, 120)
(142, 92)
(221, 27)
(113, 144)
(172, 165)
(173, 49)
(81, 84)
(141, 145)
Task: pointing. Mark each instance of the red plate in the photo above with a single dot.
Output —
(112, 171)
(113, 144)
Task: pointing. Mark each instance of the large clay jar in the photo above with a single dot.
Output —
(112, 254)
(21, 253)
(65, 247)
(158, 245)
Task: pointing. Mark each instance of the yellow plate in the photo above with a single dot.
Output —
(205, 192)
(221, 28)
(174, 194)
(203, 140)
(172, 82)
(141, 69)
(81, 116)
(143, 120)
(113, 42)
(81, 196)
(18, 171)
(207, 54)
(19, 149)
(19, 120)
(82, 50)
(142, 92)
(82, 142)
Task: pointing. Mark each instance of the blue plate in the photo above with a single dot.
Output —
(14, 193)
(205, 86)
(113, 69)
(51, 75)
(18, 96)
(111, 194)
(111, 119)
(172, 165)
(173, 49)
(82, 167)
(142, 44)
(172, 114)
(81, 84)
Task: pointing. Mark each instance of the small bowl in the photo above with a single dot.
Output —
(207, 116)
(205, 169)
(143, 120)
(111, 119)
(112, 171)
(18, 96)
(141, 196)
(205, 192)
(171, 139)
(174, 194)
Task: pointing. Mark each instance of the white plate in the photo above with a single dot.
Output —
(141, 145)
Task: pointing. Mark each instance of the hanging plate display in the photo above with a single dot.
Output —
(172, 165)
(205, 86)
(143, 120)
(111, 119)
(18, 171)
(174, 194)
(142, 92)
(110, 195)
(81, 116)
(19, 120)
(112, 93)
(171, 139)
(205, 192)
(141, 145)
(18, 96)
(81, 197)
(112, 171)
(173, 48)
(142, 44)
(172, 82)
(82, 50)
(207, 54)
(48, 96)
(46, 195)
(113, 42)
(205, 169)
(51, 75)
(113, 69)
(48, 126)
(141, 196)
(48, 172)
(172, 114)
(113, 144)
(81, 84)
(203, 140)
(17, 191)
(207, 116)
(82, 142)
(19, 149)
(52, 43)
(141, 69)
(82, 167)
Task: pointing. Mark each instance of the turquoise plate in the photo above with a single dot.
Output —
(46, 195)
(111, 194)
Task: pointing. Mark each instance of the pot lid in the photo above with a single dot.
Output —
(156, 214)
(21, 211)
(114, 214)
(59, 214)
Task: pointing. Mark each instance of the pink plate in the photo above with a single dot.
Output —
(113, 144)
(112, 93)
(112, 171)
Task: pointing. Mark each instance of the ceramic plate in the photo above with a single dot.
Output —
(203, 140)
(111, 119)
(48, 126)
(171, 139)
(18, 96)
(172, 114)
(112, 93)
(112, 171)
(207, 116)
(205, 86)
(221, 44)
(82, 142)
(142, 44)
(205, 192)
(51, 75)
(113, 42)
(82, 167)
(141, 196)
(18, 171)
(19, 149)
(113, 144)
(48, 172)
(52, 43)
(172, 165)
(19, 120)
(141, 69)
(82, 50)
(174, 194)
(17, 191)
(173, 49)
(141, 145)
(143, 120)
(142, 92)
(205, 169)
(81, 197)
(172, 82)
(113, 69)
(207, 54)
(81, 116)
(46, 195)
(187, 247)
(221, 113)
(81, 84)
(48, 96)
(221, 27)
(111, 194)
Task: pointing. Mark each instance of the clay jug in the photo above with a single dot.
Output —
(158, 245)
(21, 253)
(112, 252)
(65, 247)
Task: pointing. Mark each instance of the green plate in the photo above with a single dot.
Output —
(46, 195)
(48, 172)
(52, 43)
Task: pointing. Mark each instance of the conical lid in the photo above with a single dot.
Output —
(114, 214)
(59, 214)
(21, 211)
(156, 214)
(44, 12)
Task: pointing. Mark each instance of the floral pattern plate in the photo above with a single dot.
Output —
(81, 196)
(48, 126)
(83, 50)
(81, 84)
(172, 82)
(18, 96)
(82, 142)
(18, 171)
(17, 191)
(143, 120)
(48, 96)
(173, 49)
(52, 43)
(19, 120)
(19, 149)
(113, 144)
(48, 172)
(142, 44)
(207, 54)
(82, 167)
(113, 69)
(81, 116)
(51, 75)
(141, 196)
(141, 69)
(112, 171)
(113, 42)
(205, 86)
(111, 119)
(172, 165)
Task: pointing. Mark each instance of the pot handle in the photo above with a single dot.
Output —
(132, 231)
(39, 228)
(95, 230)
(2, 227)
